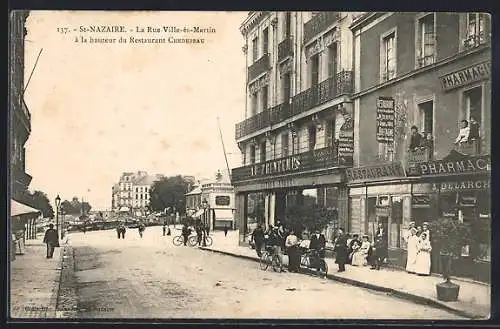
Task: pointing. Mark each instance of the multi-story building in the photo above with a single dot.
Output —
(431, 71)
(297, 136)
(131, 193)
(20, 117)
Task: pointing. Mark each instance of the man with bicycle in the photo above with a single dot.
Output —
(318, 244)
(274, 240)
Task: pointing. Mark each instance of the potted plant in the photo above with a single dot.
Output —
(449, 236)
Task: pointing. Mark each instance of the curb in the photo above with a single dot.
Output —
(394, 292)
(51, 312)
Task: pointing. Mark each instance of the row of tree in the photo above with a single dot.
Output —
(40, 201)
(169, 193)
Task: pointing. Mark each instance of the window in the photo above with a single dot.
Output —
(330, 133)
(253, 105)
(314, 70)
(136, 189)
(312, 137)
(396, 221)
(476, 34)
(265, 41)
(332, 60)
(284, 145)
(255, 48)
(252, 154)
(295, 143)
(288, 24)
(472, 101)
(285, 84)
(426, 41)
(263, 152)
(426, 112)
(388, 65)
(265, 97)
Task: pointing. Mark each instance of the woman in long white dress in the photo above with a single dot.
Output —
(359, 256)
(412, 241)
(423, 260)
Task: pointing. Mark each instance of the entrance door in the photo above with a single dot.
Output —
(385, 224)
(280, 205)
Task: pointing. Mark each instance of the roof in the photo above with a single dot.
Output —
(18, 209)
(195, 191)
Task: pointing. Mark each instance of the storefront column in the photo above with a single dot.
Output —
(363, 217)
(266, 209)
(241, 214)
(343, 205)
(272, 208)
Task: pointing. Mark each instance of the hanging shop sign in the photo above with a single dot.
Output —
(466, 165)
(385, 119)
(421, 201)
(346, 143)
(466, 76)
(382, 211)
(392, 170)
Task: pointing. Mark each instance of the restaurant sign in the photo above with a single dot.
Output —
(471, 165)
(317, 159)
(378, 172)
(466, 76)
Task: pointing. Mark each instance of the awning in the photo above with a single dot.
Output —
(223, 214)
(199, 213)
(18, 209)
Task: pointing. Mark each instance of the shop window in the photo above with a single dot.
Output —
(284, 145)
(265, 40)
(396, 221)
(255, 49)
(312, 137)
(255, 210)
(314, 67)
(388, 57)
(426, 41)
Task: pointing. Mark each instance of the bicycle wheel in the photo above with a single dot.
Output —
(323, 268)
(304, 261)
(264, 261)
(208, 241)
(177, 240)
(193, 240)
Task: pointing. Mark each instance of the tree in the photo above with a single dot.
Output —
(169, 192)
(307, 216)
(75, 207)
(40, 201)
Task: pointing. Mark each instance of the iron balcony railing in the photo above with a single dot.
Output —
(325, 91)
(319, 23)
(259, 67)
(323, 158)
(285, 48)
(419, 155)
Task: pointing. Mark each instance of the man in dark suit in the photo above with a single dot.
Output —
(381, 234)
(51, 239)
(340, 248)
(318, 243)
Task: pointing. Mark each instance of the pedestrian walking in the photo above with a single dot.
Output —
(292, 245)
(164, 229)
(258, 239)
(51, 239)
(378, 253)
(340, 248)
(141, 229)
(168, 231)
(185, 233)
(119, 231)
(225, 230)
(318, 243)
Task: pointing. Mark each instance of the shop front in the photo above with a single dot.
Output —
(459, 187)
(265, 192)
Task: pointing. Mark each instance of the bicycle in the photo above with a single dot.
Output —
(305, 260)
(269, 257)
(193, 241)
(178, 240)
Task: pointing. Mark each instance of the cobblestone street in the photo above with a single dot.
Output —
(151, 278)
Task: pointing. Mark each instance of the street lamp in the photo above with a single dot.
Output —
(58, 203)
(62, 221)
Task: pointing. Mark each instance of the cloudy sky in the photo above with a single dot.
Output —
(101, 109)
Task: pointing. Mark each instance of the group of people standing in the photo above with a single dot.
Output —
(419, 249)
(121, 229)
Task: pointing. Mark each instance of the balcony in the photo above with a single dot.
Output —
(327, 90)
(317, 159)
(476, 40)
(419, 155)
(285, 49)
(319, 23)
(259, 67)
(472, 147)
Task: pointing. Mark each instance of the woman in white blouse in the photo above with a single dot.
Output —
(423, 259)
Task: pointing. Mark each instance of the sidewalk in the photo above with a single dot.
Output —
(34, 281)
(474, 298)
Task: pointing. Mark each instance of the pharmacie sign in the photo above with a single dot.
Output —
(472, 165)
(379, 172)
(465, 185)
(466, 76)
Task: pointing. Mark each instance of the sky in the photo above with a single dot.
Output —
(99, 109)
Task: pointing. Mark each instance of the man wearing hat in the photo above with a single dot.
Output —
(51, 239)
(341, 250)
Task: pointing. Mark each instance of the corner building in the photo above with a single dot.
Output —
(297, 137)
(431, 70)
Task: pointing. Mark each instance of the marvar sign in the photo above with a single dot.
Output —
(466, 76)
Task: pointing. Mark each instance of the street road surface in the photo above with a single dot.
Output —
(151, 278)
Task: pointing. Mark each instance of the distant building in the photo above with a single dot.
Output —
(131, 193)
